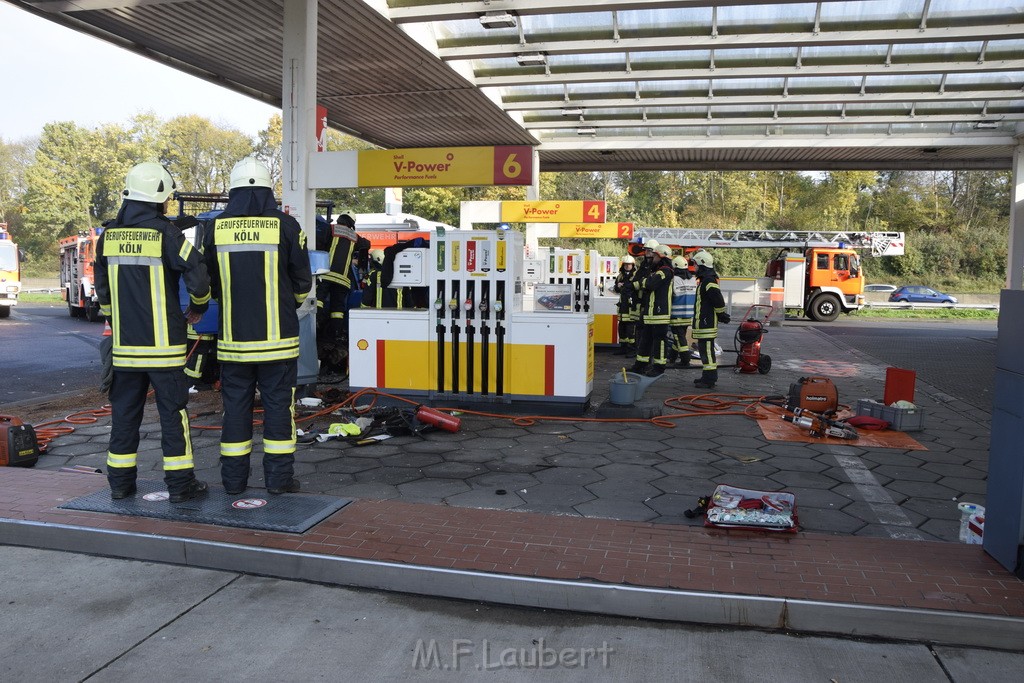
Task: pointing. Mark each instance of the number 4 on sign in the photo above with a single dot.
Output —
(593, 211)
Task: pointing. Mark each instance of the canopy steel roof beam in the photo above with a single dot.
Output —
(818, 71)
(721, 99)
(754, 142)
(726, 41)
(472, 10)
(910, 117)
(56, 6)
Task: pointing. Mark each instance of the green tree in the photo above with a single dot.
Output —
(200, 155)
(59, 197)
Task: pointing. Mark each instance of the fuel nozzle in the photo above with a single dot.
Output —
(469, 305)
(483, 306)
(438, 304)
(498, 307)
(453, 304)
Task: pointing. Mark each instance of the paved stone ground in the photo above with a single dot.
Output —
(643, 472)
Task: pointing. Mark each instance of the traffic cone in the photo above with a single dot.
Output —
(106, 329)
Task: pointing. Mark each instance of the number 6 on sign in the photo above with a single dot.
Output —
(513, 165)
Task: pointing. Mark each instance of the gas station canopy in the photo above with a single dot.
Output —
(621, 84)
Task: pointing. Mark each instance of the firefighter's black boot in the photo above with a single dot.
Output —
(655, 370)
(122, 481)
(621, 351)
(193, 489)
(639, 368)
(707, 380)
(291, 487)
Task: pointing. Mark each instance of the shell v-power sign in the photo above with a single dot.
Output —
(446, 166)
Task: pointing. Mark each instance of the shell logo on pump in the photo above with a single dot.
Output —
(362, 344)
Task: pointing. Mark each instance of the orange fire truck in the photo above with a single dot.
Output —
(816, 273)
(78, 285)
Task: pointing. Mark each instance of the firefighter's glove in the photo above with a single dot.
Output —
(192, 316)
(183, 223)
(724, 318)
(106, 364)
(308, 306)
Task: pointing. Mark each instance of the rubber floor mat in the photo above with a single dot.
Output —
(254, 509)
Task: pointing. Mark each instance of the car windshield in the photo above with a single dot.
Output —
(8, 257)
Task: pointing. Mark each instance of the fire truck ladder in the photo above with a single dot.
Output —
(880, 243)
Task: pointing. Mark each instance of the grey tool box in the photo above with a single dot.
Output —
(900, 419)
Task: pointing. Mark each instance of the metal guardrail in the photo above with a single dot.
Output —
(907, 306)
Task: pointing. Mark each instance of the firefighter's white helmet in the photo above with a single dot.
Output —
(663, 251)
(250, 172)
(680, 262)
(703, 258)
(628, 259)
(148, 182)
(377, 256)
(651, 244)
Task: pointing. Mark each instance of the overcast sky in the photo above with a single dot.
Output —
(51, 73)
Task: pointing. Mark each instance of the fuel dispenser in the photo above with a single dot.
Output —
(591, 278)
(475, 343)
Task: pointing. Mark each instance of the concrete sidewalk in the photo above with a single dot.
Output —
(588, 516)
(74, 618)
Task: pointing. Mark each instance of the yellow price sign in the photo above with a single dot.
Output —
(446, 166)
(610, 230)
(589, 211)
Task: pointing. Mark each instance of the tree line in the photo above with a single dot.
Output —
(71, 177)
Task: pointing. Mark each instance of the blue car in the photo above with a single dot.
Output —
(916, 294)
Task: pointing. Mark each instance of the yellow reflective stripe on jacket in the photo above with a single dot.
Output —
(277, 344)
(115, 313)
(258, 356)
(232, 449)
(200, 300)
(224, 265)
(185, 251)
(143, 351)
(270, 263)
(121, 459)
(161, 337)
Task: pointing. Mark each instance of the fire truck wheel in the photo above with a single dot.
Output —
(5, 311)
(73, 310)
(764, 364)
(825, 308)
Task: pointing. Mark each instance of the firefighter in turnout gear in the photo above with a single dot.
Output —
(260, 270)
(338, 282)
(377, 294)
(655, 311)
(141, 257)
(684, 295)
(709, 310)
(626, 289)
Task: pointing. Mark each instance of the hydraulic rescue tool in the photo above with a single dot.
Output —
(819, 425)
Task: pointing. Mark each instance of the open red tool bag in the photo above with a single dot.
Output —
(738, 508)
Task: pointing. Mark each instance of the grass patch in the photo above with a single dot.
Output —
(40, 298)
(929, 314)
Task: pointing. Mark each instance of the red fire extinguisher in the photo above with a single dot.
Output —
(438, 419)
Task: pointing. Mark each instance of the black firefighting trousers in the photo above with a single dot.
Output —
(276, 382)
